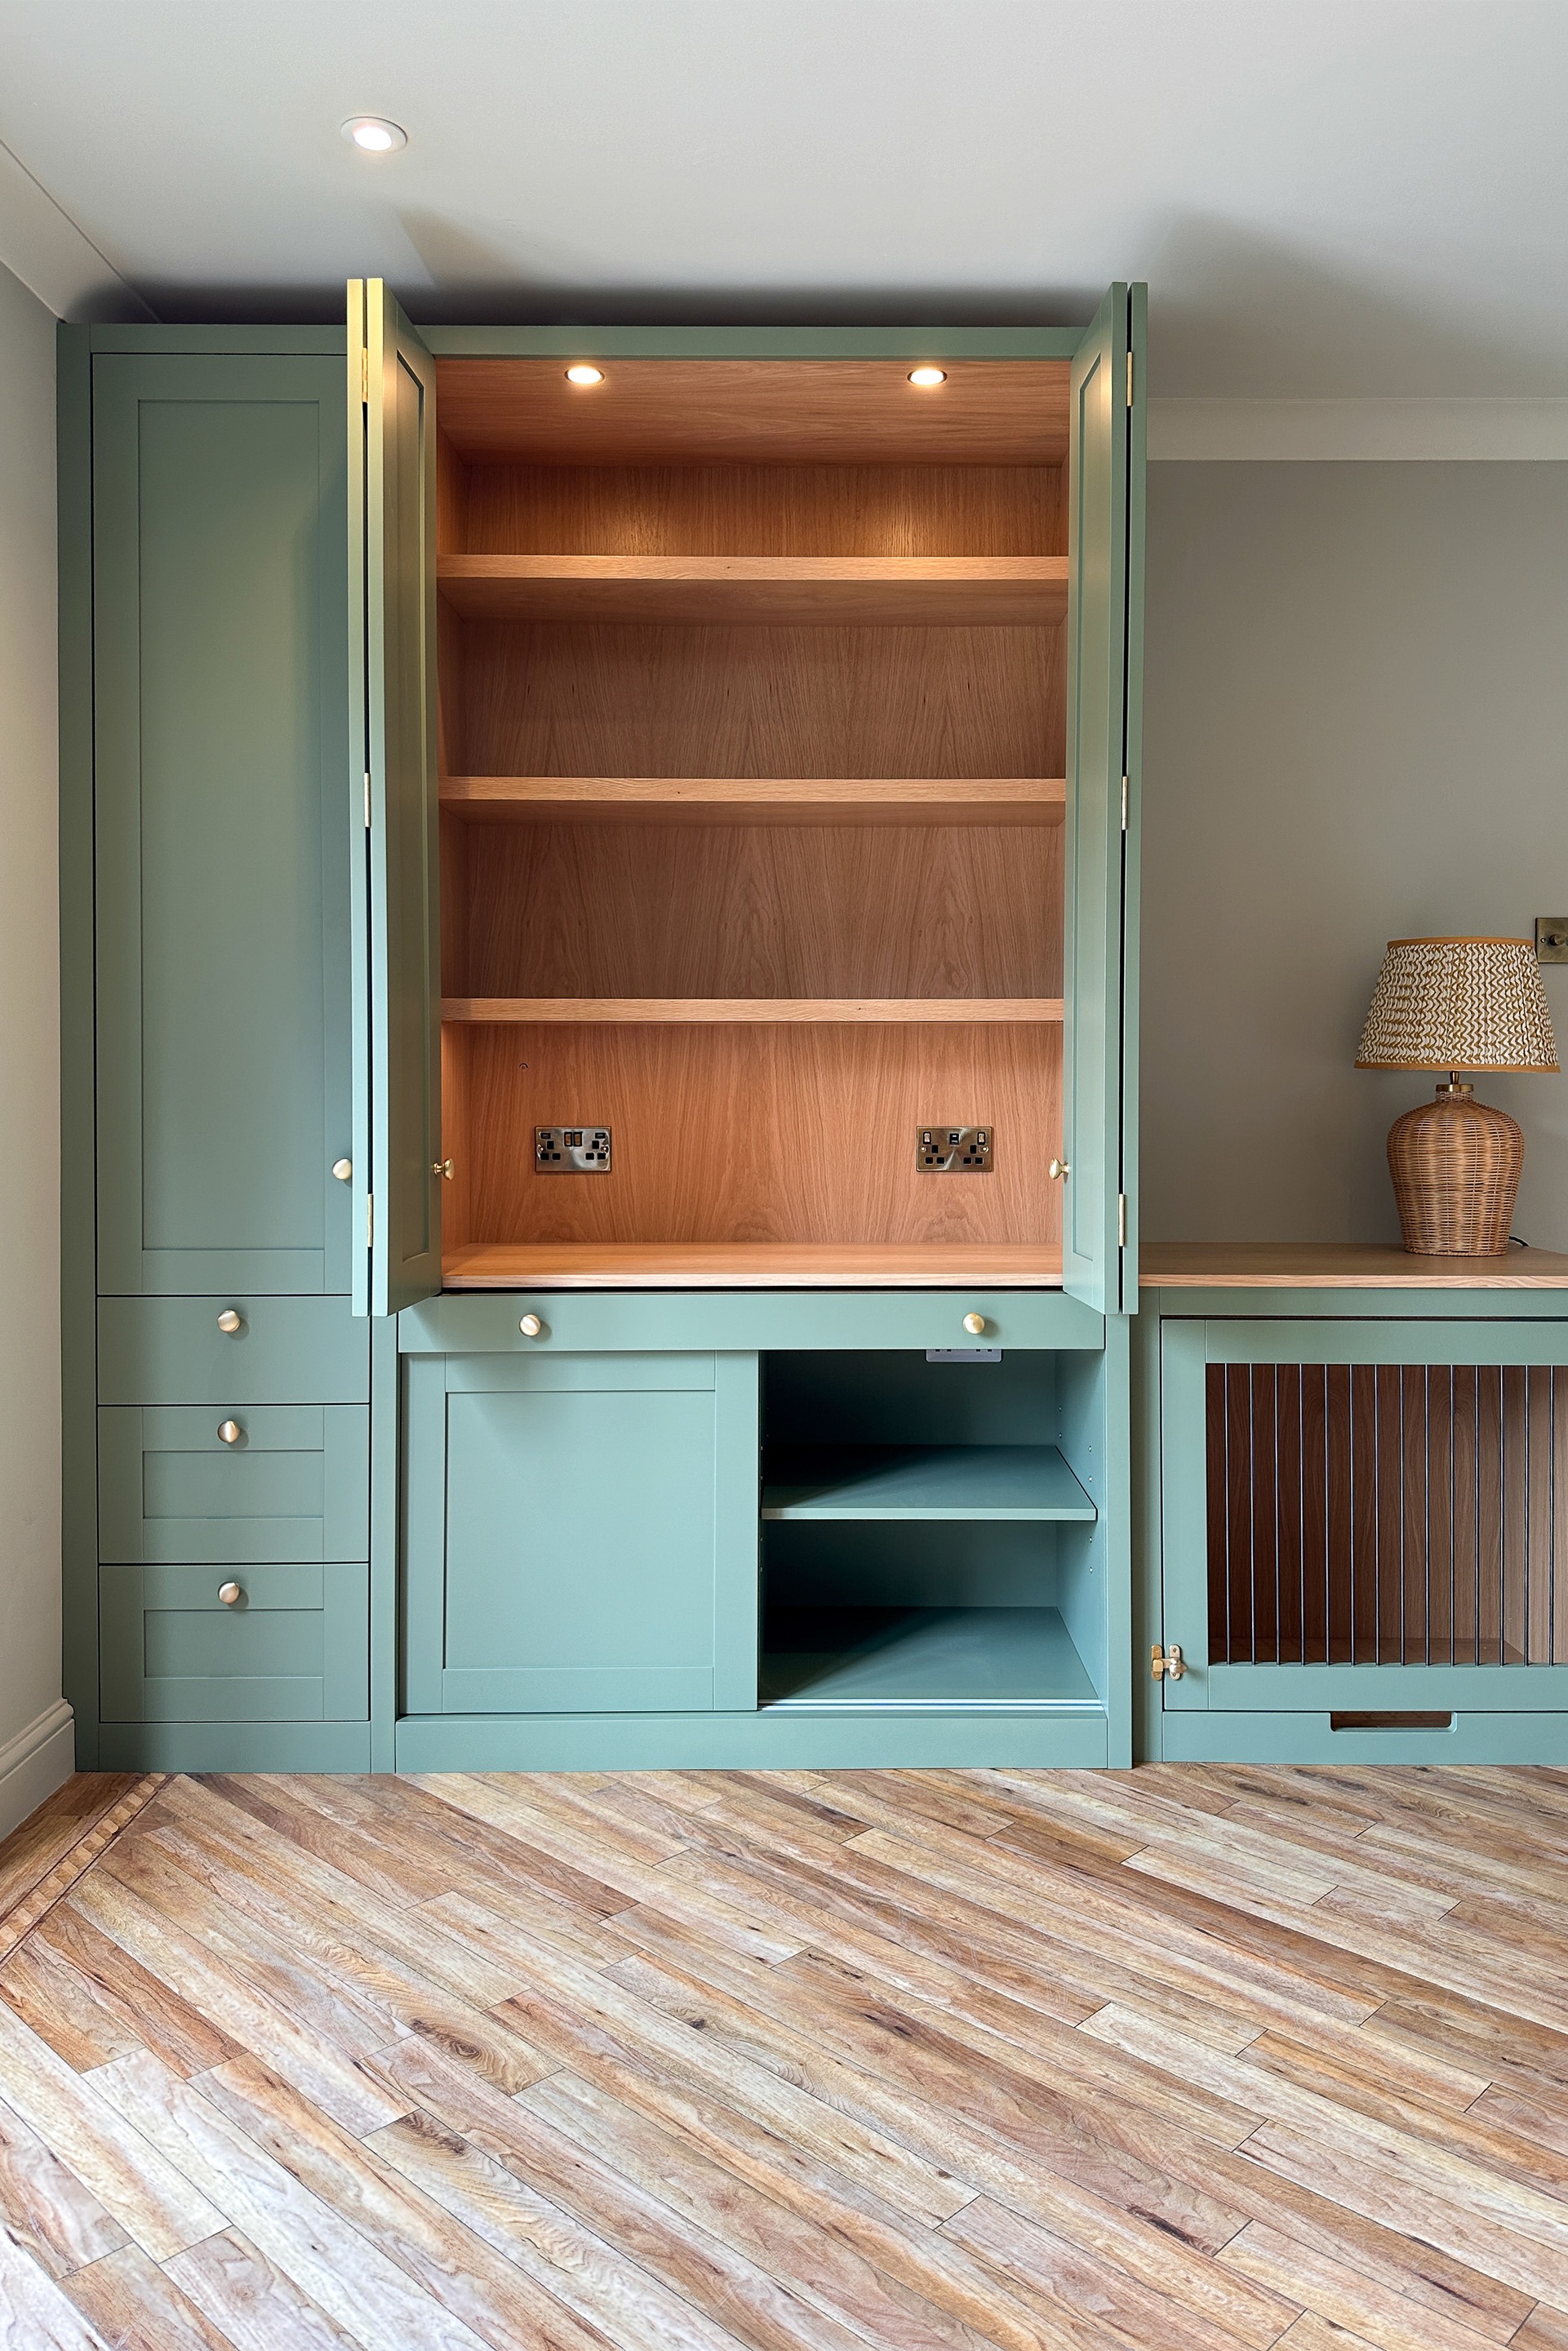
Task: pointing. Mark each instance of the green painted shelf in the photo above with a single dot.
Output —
(923, 1481)
(1001, 1660)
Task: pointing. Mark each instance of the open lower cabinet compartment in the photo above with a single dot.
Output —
(931, 1535)
(752, 740)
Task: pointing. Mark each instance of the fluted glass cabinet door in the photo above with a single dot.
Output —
(220, 711)
(1106, 502)
(1365, 1517)
(393, 812)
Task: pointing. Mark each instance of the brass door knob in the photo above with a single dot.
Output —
(442, 1168)
(343, 1170)
(230, 1320)
(531, 1327)
(1058, 1171)
(974, 1324)
(230, 1431)
(231, 1595)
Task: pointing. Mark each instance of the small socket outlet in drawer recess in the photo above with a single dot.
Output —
(954, 1150)
(571, 1150)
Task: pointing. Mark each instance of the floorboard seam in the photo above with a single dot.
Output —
(20, 1921)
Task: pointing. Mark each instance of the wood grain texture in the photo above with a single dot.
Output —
(755, 413)
(760, 1110)
(1339, 1265)
(749, 1265)
(585, 699)
(89, 1806)
(1198, 2057)
(1006, 591)
(780, 511)
(763, 911)
(749, 801)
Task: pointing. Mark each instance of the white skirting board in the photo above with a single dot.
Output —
(40, 1758)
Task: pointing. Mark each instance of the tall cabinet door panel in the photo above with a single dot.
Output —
(221, 706)
(1103, 494)
(1365, 1517)
(397, 1031)
(582, 1534)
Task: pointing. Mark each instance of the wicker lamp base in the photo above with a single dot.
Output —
(1455, 1165)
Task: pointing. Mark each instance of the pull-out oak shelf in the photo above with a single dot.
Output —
(752, 1011)
(907, 591)
(751, 1265)
(757, 800)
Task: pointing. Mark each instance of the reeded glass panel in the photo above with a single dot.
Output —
(1387, 1514)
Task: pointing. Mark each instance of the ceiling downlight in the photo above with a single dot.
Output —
(373, 135)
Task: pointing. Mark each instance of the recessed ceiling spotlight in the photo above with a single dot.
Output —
(374, 135)
(927, 378)
(583, 373)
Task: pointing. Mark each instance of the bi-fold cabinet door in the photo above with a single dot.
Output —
(393, 541)
(221, 815)
(581, 1533)
(1365, 1518)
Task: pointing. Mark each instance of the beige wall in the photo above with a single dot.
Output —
(1357, 729)
(35, 1728)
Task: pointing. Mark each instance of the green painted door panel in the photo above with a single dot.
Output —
(1367, 1519)
(1097, 646)
(220, 711)
(290, 1482)
(396, 1024)
(286, 1351)
(744, 1321)
(582, 1534)
(291, 1649)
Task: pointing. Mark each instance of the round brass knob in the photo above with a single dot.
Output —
(343, 1169)
(974, 1324)
(230, 1320)
(1058, 1171)
(231, 1595)
(531, 1327)
(230, 1431)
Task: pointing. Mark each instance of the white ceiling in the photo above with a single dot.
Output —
(1350, 198)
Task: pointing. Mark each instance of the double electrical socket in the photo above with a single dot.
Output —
(954, 1150)
(571, 1150)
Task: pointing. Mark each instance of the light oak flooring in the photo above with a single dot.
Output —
(1192, 2058)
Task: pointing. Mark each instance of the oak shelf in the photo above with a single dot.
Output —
(923, 1483)
(906, 591)
(751, 1265)
(753, 1011)
(745, 799)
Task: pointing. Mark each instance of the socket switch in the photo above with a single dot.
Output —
(571, 1150)
(954, 1150)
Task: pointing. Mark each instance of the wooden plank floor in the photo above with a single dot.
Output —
(1193, 2058)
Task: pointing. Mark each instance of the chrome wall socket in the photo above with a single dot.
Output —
(571, 1150)
(954, 1150)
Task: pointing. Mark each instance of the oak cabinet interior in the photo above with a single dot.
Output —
(752, 747)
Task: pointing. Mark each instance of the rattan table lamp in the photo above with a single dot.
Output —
(1455, 1005)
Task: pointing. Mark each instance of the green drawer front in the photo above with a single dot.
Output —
(286, 1351)
(291, 1483)
(293, 1648)
(745, 1321)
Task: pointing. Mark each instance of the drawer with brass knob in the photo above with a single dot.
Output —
(264, 1644)
(229, 1352)
(286, 1482)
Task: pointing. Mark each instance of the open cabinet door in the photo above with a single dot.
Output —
(1104, 675)
(397, 1012)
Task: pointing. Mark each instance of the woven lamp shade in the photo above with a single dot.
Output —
(1454, 1005)
(1458, 1003)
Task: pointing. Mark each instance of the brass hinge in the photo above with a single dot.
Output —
(370, 1222)
(1121, 1219)
(1168, 1664)
(1123, 803)
(367, 799)
(1129, 379)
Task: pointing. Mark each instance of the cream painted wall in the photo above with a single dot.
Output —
(34, 1725)
(1357, 729)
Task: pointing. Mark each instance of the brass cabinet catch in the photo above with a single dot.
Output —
(1163, 1663)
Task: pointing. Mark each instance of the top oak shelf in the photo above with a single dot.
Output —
(780, 590)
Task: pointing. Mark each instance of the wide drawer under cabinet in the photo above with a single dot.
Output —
(1355, 1517)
